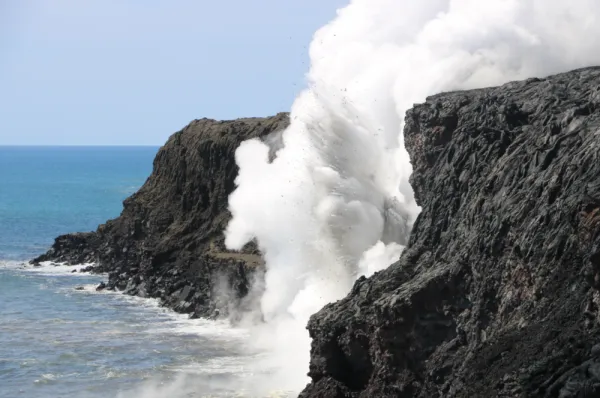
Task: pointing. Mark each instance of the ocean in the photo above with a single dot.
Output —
(59, 340)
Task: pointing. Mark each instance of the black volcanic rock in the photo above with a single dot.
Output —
(168, 241)
(77, 248)
(497, 294)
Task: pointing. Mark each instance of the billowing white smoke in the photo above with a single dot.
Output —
(336, 201)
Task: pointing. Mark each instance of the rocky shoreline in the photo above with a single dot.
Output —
(168, 241)
(497, 294)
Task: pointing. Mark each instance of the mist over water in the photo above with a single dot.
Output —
(336, 202)
(327, 200)
(56, 341)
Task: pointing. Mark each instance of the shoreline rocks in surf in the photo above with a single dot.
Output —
(497, 293)
(168, 241)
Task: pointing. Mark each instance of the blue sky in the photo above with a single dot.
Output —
(117, 72)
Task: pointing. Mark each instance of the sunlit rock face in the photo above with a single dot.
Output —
(497, 293)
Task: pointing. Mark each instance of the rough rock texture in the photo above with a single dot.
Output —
(168, 241)
(77, 248)
(497, 295)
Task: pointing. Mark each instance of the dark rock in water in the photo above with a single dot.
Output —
(89, 268)
(78, 248)
(80, 288)
(168, 241)
(497, 294)
(101, 287)
(74, 271)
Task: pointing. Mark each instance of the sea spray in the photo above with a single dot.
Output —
(336, 201)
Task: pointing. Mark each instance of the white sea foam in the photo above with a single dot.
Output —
(168, 321)
(52, 268)
(11, 264)
(245, 373)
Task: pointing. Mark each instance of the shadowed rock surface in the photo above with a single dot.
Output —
(168, 241)
(77, 248)
(497, 295)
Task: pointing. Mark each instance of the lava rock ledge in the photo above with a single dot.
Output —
(497, 294)
(168, 241)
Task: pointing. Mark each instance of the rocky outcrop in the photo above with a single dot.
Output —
(168, 241)
(77, 248)
(497, 294)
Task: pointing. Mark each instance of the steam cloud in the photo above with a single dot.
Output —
(336, 202)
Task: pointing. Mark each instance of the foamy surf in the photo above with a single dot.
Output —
(11, 264)
(109, 337)
(244, 373)
(52, 268)
(171, 322)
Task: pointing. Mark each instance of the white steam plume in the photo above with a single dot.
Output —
(336, 201)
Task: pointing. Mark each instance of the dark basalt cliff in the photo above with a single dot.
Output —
(497, 294)
(168, 241)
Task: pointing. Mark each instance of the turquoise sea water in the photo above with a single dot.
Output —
(48, 191)
(57, 341)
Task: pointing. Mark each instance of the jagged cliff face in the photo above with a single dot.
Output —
(168, 241)
(497, 294)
